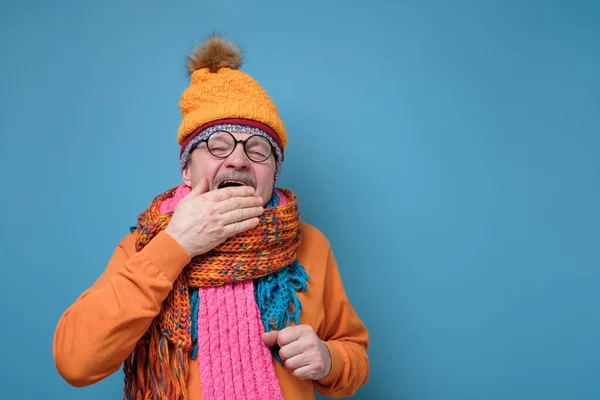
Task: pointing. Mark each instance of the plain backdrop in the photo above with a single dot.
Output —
(449, 150)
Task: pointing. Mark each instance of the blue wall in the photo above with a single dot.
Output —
(449, 152)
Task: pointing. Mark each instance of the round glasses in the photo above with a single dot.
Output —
(222, 143)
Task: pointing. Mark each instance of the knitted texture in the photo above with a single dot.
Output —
(227, 93)
(252, 254)
(158, 366)
(234, 362)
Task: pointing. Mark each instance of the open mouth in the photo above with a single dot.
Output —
(225, 184)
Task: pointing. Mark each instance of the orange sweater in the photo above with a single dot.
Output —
(95, 334)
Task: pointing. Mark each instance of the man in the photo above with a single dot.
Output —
(220, 291)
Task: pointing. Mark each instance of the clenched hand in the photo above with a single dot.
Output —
(204, 219)
(302, 351)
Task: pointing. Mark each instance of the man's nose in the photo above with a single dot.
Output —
(238, 158)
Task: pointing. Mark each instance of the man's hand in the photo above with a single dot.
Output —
(302, 351)
(202, 220)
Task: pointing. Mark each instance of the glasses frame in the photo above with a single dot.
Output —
(235, 143)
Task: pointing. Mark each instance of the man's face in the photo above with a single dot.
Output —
(235, 169)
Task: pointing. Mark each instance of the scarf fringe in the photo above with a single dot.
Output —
(160, 373)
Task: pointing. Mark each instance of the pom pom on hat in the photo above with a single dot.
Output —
(215, 54)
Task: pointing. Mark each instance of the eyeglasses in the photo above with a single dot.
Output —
(222, 143)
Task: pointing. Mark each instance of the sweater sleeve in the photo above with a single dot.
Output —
(100, 329)
(345, 337)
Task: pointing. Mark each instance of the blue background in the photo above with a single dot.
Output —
(449, 151)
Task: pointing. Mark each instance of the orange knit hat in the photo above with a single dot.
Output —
(220, 94)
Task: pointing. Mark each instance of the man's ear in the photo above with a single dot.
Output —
(186, 174)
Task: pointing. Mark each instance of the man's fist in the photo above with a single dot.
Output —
(303, 353)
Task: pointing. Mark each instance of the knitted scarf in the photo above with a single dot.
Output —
(219, 306)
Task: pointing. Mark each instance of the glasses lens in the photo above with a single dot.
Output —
(220, 144)
(258, 148)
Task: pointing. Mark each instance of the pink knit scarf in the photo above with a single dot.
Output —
(234, 362)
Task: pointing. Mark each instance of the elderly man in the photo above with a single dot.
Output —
(220, 291)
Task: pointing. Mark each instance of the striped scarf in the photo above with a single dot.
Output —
(219, 306)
